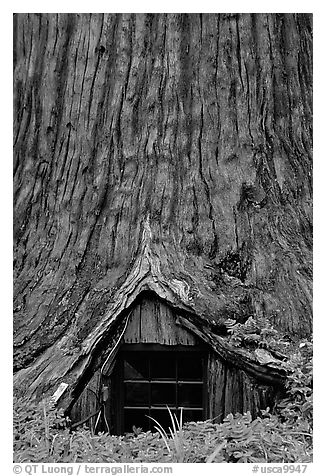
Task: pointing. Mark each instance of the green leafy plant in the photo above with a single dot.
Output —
(256, 333)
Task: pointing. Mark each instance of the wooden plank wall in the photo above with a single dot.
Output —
(152, 321)
(232, 390)
(88, 401)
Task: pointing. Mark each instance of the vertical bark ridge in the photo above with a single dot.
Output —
(202, 123)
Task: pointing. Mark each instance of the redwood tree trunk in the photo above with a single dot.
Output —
(182, 138)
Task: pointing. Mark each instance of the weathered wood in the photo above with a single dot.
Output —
(216, 378)
(249, 400)
(148, 321)
(184, 337)
(233, 398)
(132, 333)
(232, 390)
(88, 402)
(152, 321)
(162, 152)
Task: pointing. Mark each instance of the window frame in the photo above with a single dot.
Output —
(119, 379)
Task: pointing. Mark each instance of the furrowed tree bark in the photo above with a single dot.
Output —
(169, 152)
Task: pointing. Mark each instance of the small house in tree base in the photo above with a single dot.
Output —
(158, 362)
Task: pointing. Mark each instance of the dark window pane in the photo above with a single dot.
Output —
(163, 394)
(192, 415)
(162, 416)
(136, 394)
(190, 395)
(190, 366)
(136, 418)
(162, 365)
(136, 366)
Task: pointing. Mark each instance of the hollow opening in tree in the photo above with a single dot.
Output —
(157, 359)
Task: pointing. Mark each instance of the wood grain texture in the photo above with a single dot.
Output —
(231, 390)
(163, 152)
(152, 321)
(88, 402)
